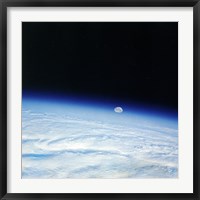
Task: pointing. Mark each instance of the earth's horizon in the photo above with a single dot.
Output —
(74, 140)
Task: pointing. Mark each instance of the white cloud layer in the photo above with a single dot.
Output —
(66, 144)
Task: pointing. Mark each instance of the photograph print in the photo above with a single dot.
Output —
(99, 100)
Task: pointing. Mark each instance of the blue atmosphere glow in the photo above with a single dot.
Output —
(76, 137)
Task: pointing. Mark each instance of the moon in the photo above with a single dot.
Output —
(118, 110)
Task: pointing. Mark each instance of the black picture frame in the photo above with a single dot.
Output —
(4, 4)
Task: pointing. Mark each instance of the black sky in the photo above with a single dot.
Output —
(121, 60)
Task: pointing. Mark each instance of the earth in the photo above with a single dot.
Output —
(71, 139)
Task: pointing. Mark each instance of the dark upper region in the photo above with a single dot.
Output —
(119, 60)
